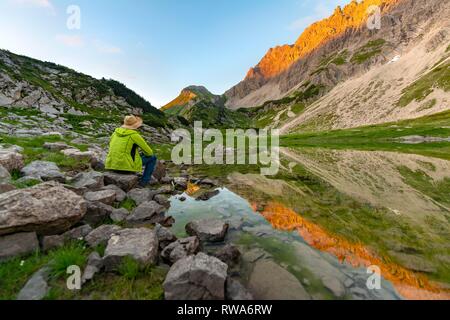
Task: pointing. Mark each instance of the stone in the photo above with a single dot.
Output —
(208, 182)
(119, 215)
(162, 200)
(45, 170)
(168, 222)
(6, 187)
(236, 291)
(160, 171)
(52, 242)
(47, 209)
(140, 244)
(228, 254)
(180, 249)
(91, 180)
(166, 180)
(199, 277)
(56, 146)
(79, 155)
(182, 199)
(97, 212)
(165, 236)
(148, 212)
(126, 182)
(180, 183)
(94, 265)
(209, 230)
(120, 194)
(11, 159)
(141, 195)
(18, 244)
(105, 196)
(78, 233)
(269, 281)
(205, 196)
(165, 189)
(36, 288)
(334, 285)
(5, 177)
(101, 235)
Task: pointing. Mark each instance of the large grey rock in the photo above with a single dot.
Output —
(11, 159)
(126, 182)
(119, 215)
(5, 177)
(45, 170)
(91, 180)
(334, 285)
(18, 244)
(198, 277)
(140, 244)
(236, 291)
(141, 195)
(210, 230)
(101, 235)
(162, 200)
(36, 288)
(94, 265)
(180, 249)
(104, 196)
(47, 208)
(97, 213)
(269, 281)
(120, 194)
(165, 236)
(148, 212)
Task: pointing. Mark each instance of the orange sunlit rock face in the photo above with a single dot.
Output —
(184, 98)
(409, 284)
(281, 58)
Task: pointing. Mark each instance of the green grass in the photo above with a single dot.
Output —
(439, 77)
(73, 254)
(369, 50)
(381, 137)
(129, 268)
(128, 204)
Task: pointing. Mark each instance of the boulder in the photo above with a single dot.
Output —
(180, 249)
(180, 183)
(104, 196)
(119, 215)
(120, 194)
(47, 209)
(228, 254)
(45, 170)
(160, 171)
(80, 155)
(166, 180)
(94, 265)
(236, 291)
(140, 244)
(91, 180)
(52, 242)
(165, 189)
(11, 159)
(126, 182)
(101, 235)
(78, 233)
(208, 182)
(18, 244)
(5, 177)
(165, 236)
(97, 212)
(205, 196)
(198, 277)
(6, 187)
(36, 288)
(141, 195)
(148, 212)
(56, 146)
(162, 200)
(209, 230)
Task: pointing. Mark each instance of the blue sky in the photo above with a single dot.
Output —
(158, 47)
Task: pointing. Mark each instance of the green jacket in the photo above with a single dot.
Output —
(123, 151)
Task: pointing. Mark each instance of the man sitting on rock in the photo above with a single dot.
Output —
(123, 151)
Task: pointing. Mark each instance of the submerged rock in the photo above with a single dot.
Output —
(210, 230)
(198, 277)
(47, 209)
(207, 195)
(236, 291)
(228, 254)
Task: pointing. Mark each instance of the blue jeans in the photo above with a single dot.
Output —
(149, 163)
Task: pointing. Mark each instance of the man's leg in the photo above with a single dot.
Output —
(149, 164)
